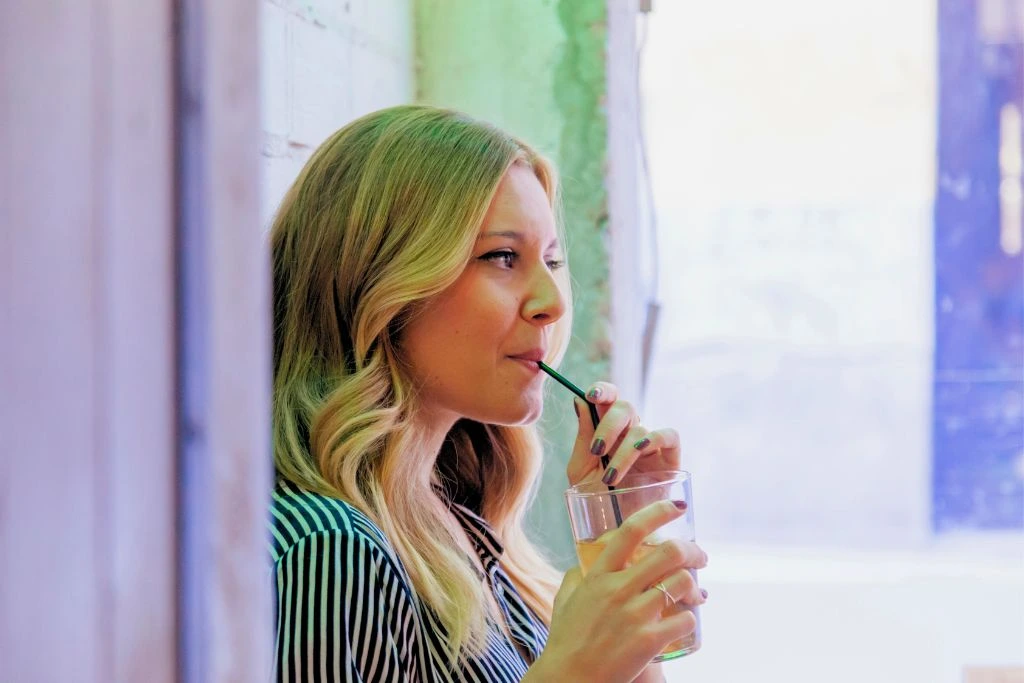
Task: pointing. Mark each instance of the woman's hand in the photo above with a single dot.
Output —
(608, 625)
(620, 435)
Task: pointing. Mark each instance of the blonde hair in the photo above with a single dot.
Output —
(384, 216)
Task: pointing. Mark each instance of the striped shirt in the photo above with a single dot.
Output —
(346, 609)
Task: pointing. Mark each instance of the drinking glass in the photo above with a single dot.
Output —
(595, 510)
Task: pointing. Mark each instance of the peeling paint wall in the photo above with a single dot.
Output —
(537, 69)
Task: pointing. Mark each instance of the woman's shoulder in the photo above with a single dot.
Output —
(297, 514)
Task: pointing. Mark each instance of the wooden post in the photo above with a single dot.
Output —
(224, 348)
(134, 344)
(87, 482)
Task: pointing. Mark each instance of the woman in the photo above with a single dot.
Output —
(418, 277)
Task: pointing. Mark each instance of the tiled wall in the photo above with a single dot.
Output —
(324, 63)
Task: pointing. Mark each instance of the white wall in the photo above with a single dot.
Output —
(325, 63)
(853, 616)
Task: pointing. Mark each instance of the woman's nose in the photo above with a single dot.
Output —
(546, 301)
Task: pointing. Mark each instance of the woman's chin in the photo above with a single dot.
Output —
(529, 419)
(525, 414)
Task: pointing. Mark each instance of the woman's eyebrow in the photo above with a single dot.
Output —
(512, 235)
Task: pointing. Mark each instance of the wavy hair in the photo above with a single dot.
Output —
(383, 217)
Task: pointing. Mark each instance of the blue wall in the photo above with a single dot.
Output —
(978, 434)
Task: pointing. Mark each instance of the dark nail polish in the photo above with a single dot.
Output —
(609, 475)
(703, 594)
(642, 444)
(681, 504)
(576, 408)
(594, 393)
(597, 448)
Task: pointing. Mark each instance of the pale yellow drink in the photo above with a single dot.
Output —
(588, 551)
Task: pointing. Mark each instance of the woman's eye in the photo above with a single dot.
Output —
(506, 258)
(503, 258)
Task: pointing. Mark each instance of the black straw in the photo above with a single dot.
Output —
(594, 418)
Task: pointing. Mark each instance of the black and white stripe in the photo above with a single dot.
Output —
(346, 610)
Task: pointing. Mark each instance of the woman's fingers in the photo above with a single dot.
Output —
(616, 416)
(620, 437)
(624, 541)
(581, 462)
(679, 589)
(625, 455)
(672, 565)
(602, 394)
(683, 588)
(570, 582)
(675, 627)
(640, 443)
(617, 420)
(665, 558)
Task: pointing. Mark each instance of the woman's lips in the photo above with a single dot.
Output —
(529, 365)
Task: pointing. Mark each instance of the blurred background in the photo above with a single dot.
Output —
(838, 202)
(795, 230)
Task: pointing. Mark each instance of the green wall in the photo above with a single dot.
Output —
(537, 69)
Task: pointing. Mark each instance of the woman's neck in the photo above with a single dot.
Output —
(431, 429)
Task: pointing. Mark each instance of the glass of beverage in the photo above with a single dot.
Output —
(595, 510)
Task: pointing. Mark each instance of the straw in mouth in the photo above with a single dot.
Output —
(579, 392)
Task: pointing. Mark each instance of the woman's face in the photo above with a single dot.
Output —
(473, 348)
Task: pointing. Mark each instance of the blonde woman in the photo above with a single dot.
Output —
(419, 274)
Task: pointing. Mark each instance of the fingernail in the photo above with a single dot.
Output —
(609, 475)
(594, 393)
(642, 444)
(703, 594)
(576, 408)
(680, 504)
(597, 448)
